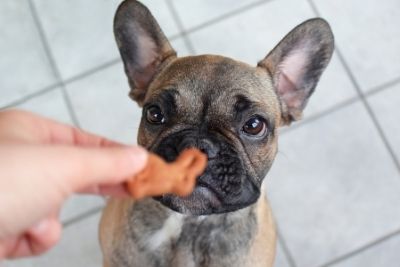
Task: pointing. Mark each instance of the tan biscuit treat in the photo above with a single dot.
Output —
(160, 177)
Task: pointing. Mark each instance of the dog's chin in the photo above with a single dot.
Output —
(202, 201)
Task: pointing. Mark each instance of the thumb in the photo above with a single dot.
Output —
(88, 167)
(60, 170)
(76, 168)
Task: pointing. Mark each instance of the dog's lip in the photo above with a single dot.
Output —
(209, 193)
(208, 187)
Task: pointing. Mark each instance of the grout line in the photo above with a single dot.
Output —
(82, 216)
(65, 82)
(321, 114)
(28, 97)
(52, 62)
(43, 39)
(181, 28)
(70, 107)
(58, 84)
(362, 248)
(284, 247)
(226, 16)
(92, 71)
(314, 8)
(382, 87)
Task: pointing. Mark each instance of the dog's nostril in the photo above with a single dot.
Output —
(208, 148)
(205, 151)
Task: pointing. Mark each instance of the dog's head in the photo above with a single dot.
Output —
(227, 109)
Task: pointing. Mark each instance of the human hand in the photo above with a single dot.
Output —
(42, 163)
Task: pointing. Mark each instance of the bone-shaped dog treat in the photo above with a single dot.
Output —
(160, 177)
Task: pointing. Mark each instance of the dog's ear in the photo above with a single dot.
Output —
(142, 45)
(297, 63)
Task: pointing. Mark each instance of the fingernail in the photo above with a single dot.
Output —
(139, 157)
(41, 226)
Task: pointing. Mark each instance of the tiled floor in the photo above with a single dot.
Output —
(335, 185)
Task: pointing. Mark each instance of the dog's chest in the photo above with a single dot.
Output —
(217, 240)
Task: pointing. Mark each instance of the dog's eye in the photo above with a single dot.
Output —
(154, 115)
(255, 126)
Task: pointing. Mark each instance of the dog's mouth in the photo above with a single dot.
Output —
(206, 187)
(203, 192)
(224, 186)
(204, 197)
(207, 197)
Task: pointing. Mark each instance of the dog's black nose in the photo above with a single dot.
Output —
(204, 145)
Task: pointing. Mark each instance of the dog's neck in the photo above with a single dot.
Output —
(160, 235)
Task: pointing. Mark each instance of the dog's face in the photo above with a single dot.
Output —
(227, 109)
(221, 107)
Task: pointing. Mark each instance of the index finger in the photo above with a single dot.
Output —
(18, 125)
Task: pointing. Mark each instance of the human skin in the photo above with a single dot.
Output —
(42, 163)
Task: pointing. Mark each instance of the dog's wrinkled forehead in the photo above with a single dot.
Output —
(205, 81)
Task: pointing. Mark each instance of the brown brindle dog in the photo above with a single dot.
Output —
(229, 110)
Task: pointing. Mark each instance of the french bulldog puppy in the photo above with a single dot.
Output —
(229, 110)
